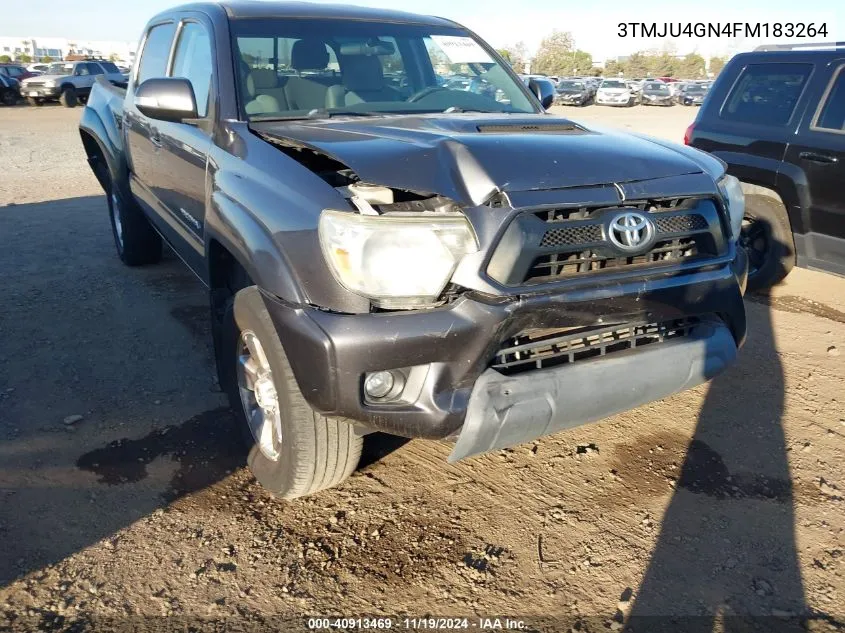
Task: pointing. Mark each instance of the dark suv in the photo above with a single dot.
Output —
(776, 116)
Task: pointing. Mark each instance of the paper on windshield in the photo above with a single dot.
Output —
(461, 50)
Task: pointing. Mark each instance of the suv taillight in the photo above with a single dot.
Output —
(688, 134)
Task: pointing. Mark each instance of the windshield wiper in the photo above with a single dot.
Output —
(458, 109)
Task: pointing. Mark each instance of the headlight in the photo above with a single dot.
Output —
(401, 261)
(734, 197)
(49, 84)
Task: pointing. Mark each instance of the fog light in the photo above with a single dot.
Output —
(379, 384)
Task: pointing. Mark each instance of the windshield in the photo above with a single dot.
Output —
(290, 68)
(696, 88)
(60, 69)
(612, 83)
(570, 85)
(656, 87)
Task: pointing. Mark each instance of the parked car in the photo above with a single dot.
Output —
(572, 92)
(487, 272)
(38, 69)
(693, 94)
(656, 93)
(615, 92)
(68, 82)
(15, 71)
(776, 116)
(10, 92)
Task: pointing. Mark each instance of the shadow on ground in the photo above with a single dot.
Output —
(726, 556)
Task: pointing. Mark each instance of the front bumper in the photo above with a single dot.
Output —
(40, 92)
(658, 101)
(451, 349)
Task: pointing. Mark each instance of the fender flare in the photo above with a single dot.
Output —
(251, 246)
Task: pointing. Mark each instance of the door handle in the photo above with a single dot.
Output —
(818, 158)
(155, 138)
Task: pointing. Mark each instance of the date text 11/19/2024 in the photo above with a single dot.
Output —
(416, 624)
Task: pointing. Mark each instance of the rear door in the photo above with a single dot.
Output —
(181, 171)
(751, 113)
(94, 71)
(818, 153)
(143, 137)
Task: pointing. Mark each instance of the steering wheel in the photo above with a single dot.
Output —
(419, 94)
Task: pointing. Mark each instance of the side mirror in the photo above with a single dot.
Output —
(545, 91)
(166, 99)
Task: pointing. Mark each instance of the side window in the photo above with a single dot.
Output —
(94, 69)
(81, 70)
(109, 67)
(193, 61)
(156, 51)
(832, 114)
(15, 71)
(766, 94)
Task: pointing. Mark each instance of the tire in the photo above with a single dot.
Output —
(34, 102)
(767, 239)
(10, 98)
(315, 452)
(136, 241)
(68, 97)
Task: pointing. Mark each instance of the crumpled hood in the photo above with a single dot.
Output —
(467, 157)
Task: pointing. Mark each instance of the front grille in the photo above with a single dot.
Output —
(565, 264)
(544, 348)
(572, 235)
(34, 84)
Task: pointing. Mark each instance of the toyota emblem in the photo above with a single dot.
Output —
(630, 231)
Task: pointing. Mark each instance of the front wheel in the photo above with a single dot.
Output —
(68, 97)
(10, 98)
(293, 450)
(34, 102)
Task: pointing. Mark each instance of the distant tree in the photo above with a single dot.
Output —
(662, 65)
(516, 56)
(636, 66)
(113, 57)
(716, 65)
(612, 68)
(691, 67)
(5, 59)
(555, 54)
(46, 59)
(24, 58)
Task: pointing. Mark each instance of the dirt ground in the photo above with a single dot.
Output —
(723, 502)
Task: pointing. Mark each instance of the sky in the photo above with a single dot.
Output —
(594, 24)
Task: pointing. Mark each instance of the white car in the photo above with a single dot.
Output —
(615, 92)
(68, 82)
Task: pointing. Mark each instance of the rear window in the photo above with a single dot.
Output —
(832, 114)
(766, 94)
(110, 67)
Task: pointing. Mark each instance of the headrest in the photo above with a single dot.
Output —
(359, 72)
(264, 78)
(309, 55)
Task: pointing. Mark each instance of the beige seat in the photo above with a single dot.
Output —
(266, 82)
(260, 103)
(308, 93)
(362, 81)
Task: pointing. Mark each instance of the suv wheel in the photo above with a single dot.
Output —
(293, 451)
(766, 236)
(10, 98)
(136, 241)
(68, 97)
(34, 102)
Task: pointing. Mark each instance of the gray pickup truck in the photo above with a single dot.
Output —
(386, 253)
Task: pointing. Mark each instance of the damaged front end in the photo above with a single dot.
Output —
(503, 315)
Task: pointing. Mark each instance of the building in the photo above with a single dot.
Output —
(60, 47)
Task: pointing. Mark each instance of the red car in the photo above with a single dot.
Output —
(16, 71)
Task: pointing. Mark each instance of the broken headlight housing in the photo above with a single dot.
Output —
(400, 261)
(731, 190)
